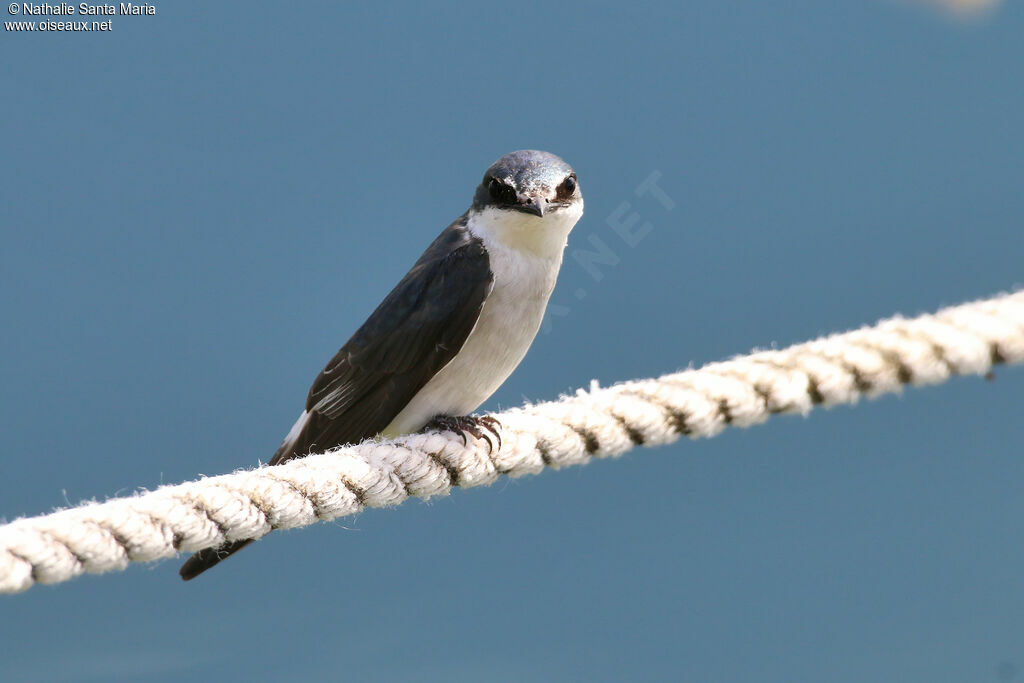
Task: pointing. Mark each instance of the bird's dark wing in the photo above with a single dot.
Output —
(414, 333)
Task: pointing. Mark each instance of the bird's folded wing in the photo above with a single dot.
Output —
(415, 332)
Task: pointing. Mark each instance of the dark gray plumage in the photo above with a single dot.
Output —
(415, 331)
(411, 335)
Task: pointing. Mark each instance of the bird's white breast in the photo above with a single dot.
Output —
(524, 259)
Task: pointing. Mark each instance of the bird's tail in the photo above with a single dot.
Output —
(204, 559)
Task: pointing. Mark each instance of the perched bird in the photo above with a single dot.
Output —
(453, 329)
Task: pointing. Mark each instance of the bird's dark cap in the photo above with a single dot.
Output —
(527, 171)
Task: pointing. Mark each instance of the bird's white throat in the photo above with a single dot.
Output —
(541, 236)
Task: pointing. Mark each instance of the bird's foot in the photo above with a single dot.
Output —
(478, 426)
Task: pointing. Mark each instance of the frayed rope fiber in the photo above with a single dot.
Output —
(598, 423)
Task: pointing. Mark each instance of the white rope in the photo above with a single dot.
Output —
(100, 537)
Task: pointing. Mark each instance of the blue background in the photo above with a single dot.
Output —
(199, 207)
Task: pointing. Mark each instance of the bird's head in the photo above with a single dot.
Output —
(528, 200)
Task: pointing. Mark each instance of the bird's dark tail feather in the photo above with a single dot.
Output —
(204, 559)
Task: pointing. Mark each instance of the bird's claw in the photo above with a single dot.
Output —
(491, 424)
(478, 426)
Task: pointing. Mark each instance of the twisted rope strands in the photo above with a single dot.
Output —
(100, 537)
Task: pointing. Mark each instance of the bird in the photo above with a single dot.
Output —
(452, 330)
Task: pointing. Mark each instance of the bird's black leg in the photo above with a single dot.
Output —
(467, 424)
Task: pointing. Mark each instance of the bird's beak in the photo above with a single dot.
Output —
(531, 205)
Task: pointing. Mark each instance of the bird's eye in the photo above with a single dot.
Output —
(568, 186)
(499, 191)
